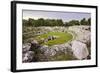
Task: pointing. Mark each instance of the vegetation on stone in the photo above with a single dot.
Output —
(55, 40)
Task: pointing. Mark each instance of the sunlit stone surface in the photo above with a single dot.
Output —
(79, 50)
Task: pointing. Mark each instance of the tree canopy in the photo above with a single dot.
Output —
(55, 22)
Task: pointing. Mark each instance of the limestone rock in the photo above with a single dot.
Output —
(80, 50)
(26, 47)
(34, 42)
(28, 56)
(43, 48)
(50, 52)
(34, 45)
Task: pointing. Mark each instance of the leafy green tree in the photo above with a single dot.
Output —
(25, 22)
(89, 21)
(46, 22)
(83, 22)
(30, 20)
(59, 22)
(66, 24)
(40, 22)
(73, 22)
(53, 22)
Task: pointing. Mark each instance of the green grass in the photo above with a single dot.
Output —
(63, 37)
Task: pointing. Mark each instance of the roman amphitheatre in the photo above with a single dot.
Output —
(57, 43)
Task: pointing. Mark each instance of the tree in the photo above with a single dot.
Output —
(47, 22)
(66, 24)
(89, 21)
(73, 22)
(40, 21)
(30, 20)
(59, 22)
(76, 22)
(25, 22)
(83, 22)
(53, 22)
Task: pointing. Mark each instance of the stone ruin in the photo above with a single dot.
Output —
(77, 47)
(50, 38)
